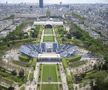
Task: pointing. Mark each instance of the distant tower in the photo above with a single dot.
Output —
(41, 3)
(60, 3)
(6, 2)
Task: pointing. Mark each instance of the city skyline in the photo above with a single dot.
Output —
(55, 1)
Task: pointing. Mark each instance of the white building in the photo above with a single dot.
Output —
(48, 23)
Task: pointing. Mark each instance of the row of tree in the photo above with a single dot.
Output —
(96, 46)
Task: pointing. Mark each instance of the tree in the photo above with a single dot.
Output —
(14, 72)
(101, 84)
(105, 66)
(21, 73)
(101, 80)
(63, 39)
(68, 36)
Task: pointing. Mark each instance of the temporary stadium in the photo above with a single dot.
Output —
(48, 50)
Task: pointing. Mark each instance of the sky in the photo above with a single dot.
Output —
(55, 1)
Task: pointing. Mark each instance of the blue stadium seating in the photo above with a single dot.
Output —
(55, 46)
(66, 50)
(43, 47)
(28, 51)
(33, 50)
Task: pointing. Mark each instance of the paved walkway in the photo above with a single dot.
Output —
(63, 77)
(49, 82)
(42, 36)
(31, 86)
(36, 72)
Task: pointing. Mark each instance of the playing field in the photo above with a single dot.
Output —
(49, 73)
(49, 87)
(48, 39)
(48, 31)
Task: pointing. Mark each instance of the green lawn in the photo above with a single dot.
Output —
(48, 31)
(48, 39)
(49, 87)
(49, 73)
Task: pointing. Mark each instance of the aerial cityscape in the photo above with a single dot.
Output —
(53, 45)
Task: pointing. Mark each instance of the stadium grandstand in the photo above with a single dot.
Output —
(48, 49)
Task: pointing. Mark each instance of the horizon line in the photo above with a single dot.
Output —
(54, 3)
